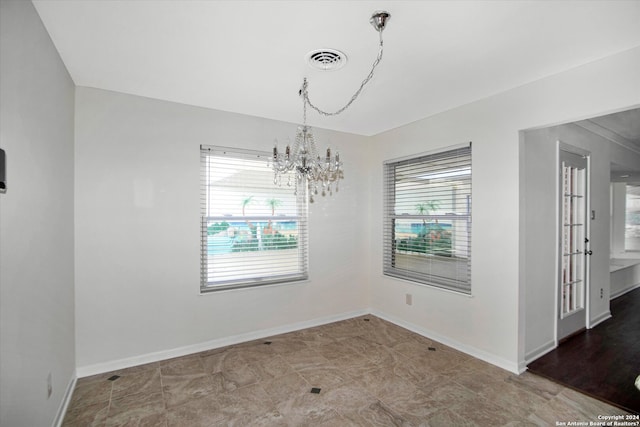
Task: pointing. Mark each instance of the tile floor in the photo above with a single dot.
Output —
(369, 372)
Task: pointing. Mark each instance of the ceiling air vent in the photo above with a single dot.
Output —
(326, 59)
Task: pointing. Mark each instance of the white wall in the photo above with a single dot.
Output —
(491, 323)
(36, 222)
(137, 266)
(539, 225)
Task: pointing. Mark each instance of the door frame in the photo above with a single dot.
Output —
(562, 146)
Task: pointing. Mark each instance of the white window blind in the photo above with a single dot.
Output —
(427, 219)
(253, 232)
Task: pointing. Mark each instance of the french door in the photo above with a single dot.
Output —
(573, 243)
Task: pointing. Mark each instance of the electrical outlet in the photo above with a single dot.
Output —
(49, 385)
(408, 299)
(601, 293)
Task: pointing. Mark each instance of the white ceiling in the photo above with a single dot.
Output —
(248, 56)
(625, 124)
(622, 128)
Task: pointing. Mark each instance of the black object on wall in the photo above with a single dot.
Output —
(3, 172)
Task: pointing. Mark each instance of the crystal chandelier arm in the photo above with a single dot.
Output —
(305, 92)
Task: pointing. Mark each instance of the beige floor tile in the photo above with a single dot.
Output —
(313, 337)
(136, 382)
(369, 372)
(284, 388)
(180, 389)
(441, 360)
(325, 419)
(325, 376)
(361, 345)
(245, 405)
(94, 415)
(89, 393)
(412, 348)
(336, 349)
(376, 414)
(412, 405)
(422, 377)
(535, 384)
(355, 365)
(140, 409)
(385, 385)
(308, 406)
(305, 358)
(512, 398)
(185, 365)
(286, 346)
(273, 367)
(138, 419)
(482, 412)
(203, 412)
(447, 418)
(218, 361)
(348, 397)
(237, 376)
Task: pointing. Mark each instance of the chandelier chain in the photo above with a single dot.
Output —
(301, 163)
(305, 92)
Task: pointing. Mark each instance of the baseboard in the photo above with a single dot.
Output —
(601, 318)
(624, 291)
(100, 368)
(522, 367)
(539, 352)
(471, 351)
(64, 405)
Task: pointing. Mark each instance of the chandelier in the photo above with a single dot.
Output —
(302, 162)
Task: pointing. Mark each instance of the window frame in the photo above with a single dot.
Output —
(301, 218)
(630, 197)
(393, 247)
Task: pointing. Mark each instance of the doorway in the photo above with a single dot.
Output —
(599, 141)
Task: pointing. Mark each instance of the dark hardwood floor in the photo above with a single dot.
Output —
(602, 362)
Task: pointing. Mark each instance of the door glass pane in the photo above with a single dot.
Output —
(573, 239)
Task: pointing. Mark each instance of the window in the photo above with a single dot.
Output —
(632, 221)
(427, 219)
(253, 232)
